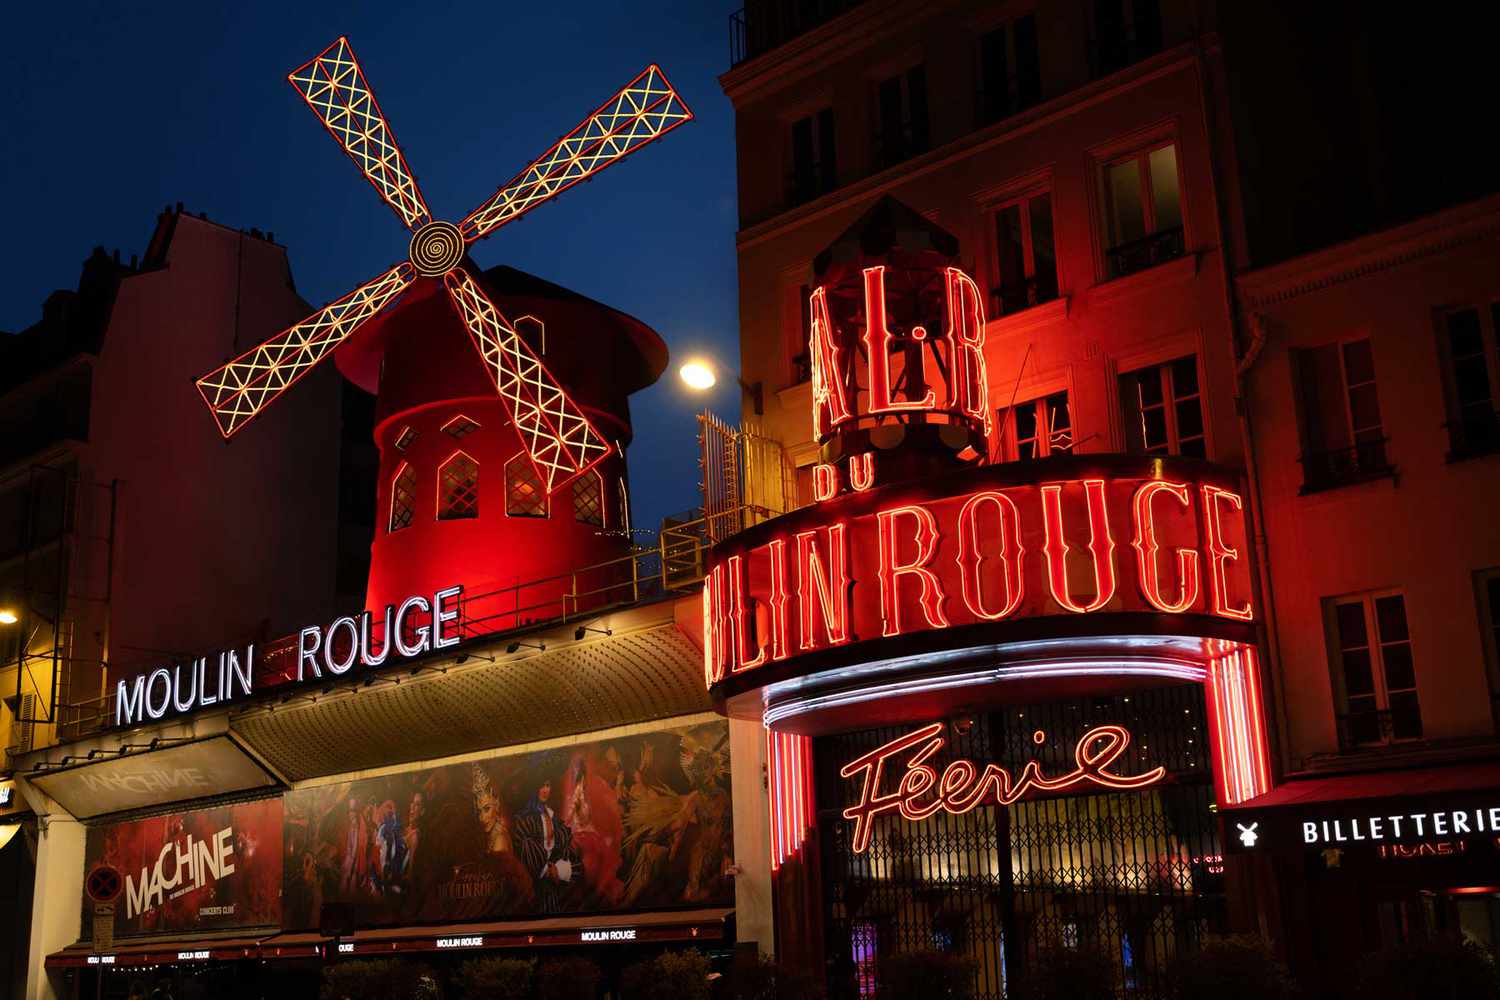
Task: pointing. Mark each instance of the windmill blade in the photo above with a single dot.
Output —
(238, 391)
(334, 86)
(645, 109)
(558, 437)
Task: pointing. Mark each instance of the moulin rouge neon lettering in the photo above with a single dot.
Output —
(962, 786)
(1146, 547)
(989, 555)
(1101, 546)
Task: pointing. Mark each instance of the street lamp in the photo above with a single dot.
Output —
(698, 374)
(8, 617)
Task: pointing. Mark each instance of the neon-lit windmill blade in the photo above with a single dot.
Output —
(558, 436)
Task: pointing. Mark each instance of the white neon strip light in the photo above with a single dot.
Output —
(1081, 668)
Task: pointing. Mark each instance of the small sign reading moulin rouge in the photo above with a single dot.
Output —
(337, 648)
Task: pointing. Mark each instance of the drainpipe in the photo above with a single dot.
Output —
(1261, 559)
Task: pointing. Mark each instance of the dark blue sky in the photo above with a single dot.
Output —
(110, 110)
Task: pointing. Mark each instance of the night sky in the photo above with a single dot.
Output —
(109, 111)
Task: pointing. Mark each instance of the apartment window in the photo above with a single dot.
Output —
(1163, 409)
(1036, 429)
(1376, 673)
(1025, 254)
(1010, 70)
(814, 163)
(588, 499)
(460, 427)
(901, 117)
(458, 488)
(799, 322)
(1142, 201)
(1342, 438)
(1471, 370)
(524, 496)
(403, 498)
(1125, 31)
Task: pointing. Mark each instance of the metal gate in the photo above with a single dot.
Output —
(1136, 877)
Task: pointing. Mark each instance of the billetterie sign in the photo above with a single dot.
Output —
(418, 625)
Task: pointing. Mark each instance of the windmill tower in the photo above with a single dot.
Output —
(501, 460)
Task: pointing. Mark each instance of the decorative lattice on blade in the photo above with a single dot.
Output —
(238, 391)
(334, 86)
(644, 110)
(558, 437)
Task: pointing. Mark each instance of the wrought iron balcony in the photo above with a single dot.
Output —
(1335, 467)
(1148, 251)
(1476, 431)
(1377, 727)
(1018, 295)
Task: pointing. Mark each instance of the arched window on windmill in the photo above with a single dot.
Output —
(458, 488)
(588, 499)
(524, 495)
(403, 498)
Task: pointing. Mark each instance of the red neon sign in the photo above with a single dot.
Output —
(962, 786)
(865, 567)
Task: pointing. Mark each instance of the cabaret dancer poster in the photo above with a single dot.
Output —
(628, 823)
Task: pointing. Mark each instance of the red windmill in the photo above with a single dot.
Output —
(407, 357)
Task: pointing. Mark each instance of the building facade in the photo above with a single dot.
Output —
(1183, 249)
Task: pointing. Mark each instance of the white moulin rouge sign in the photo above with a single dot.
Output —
(181, 867)
(337, 648)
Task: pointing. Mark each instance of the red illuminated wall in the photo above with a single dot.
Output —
(428, 374)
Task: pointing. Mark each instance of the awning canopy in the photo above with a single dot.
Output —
(1446, 779)
(308, 944)
(682, 925)
(161, 951)
(1435, 807)
(615, 928)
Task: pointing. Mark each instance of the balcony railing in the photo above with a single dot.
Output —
(759, 27)
(1335, 467)
(1018, 295)
(1377, 727)
(1475, 432)
(802, 186)
(674, 565)
(1148, 251)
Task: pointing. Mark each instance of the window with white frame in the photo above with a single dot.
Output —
(1036, 428)
(1374, 670)
(1163, 409)
(1141, 197)
(1025, 254)
(1469, 343)
(1343, 440)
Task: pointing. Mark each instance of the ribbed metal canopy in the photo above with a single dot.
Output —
(647, 670)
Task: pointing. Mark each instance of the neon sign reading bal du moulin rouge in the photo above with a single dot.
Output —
(416, 626)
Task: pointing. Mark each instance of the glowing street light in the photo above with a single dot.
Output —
(8, 617)
(698, 374)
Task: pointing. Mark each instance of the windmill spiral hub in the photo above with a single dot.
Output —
(436, 249)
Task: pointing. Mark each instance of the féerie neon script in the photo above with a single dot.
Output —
(962, 786)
